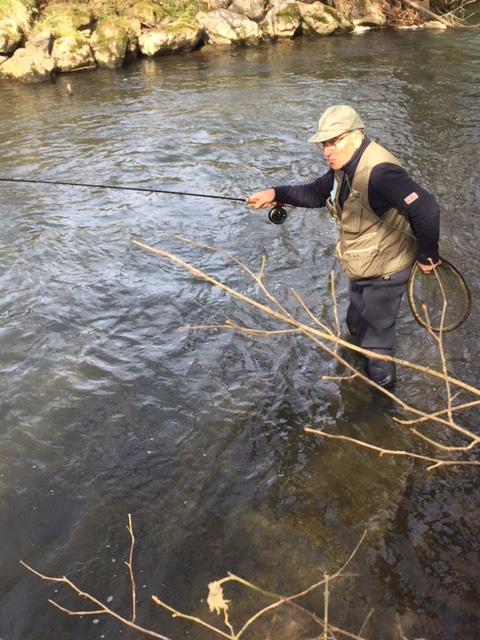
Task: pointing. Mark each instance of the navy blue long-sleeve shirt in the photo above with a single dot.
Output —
(389, 186)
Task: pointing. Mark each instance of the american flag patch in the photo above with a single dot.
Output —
(411, 197)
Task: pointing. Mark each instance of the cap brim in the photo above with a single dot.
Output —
(323, 136)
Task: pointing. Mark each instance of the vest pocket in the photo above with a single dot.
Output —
(358, 257)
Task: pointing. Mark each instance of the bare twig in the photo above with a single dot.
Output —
(289, 599)
(335, 307)
(322, 336)
(393, 452)
(216, 600)
(257, 279)
(178, 614)
(103, 609)
(129, 564)
(310, 314)
(437, 414)
(325, 607)
(365, 622)
(288, 319)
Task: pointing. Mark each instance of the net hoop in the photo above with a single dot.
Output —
(417, 310)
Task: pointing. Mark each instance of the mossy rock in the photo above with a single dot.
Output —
(72, 53)
(290, 12)
(63, 18)
(113, 39)
(15, 7)
(172, 36)
(15, 20)
(147, 11)
(282, 21)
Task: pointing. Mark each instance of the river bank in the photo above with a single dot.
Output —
(39, 40)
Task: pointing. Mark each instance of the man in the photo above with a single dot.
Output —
(386, 222)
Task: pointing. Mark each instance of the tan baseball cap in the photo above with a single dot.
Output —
(337, 120)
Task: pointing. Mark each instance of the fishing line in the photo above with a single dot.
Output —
(277, 214)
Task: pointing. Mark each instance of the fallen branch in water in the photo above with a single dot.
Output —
(328, 340)
(216, 602)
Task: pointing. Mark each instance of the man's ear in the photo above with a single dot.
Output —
(358, 139)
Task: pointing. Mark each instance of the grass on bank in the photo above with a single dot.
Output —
(21, 11)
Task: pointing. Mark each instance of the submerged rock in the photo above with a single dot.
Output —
(225, 27)
(171, 37)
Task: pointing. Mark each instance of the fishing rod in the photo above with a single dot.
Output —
(277, 213)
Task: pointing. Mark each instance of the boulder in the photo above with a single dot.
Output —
(253, 9)
(171, 37)
(15, 20)
(64, 18)
(362, 12)
(225, 27)
(322, 20)
(32, 63)
(109, 43)
(10, 35)
(148, 12)
(73, 53)
(218, 4)
(41, 42)
(282, 21)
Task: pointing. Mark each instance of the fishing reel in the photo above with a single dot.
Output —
(277, 214)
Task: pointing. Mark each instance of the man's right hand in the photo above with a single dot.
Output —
(262, 199)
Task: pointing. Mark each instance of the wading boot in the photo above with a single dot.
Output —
(381, 372)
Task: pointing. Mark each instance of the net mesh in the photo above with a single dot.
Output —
(443, 294)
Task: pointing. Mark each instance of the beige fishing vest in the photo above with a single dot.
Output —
(370, 246)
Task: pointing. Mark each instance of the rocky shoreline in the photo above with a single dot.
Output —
(39, 40)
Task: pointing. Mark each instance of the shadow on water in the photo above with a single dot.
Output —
(107, 409)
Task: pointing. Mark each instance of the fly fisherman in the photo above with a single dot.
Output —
(386, 222)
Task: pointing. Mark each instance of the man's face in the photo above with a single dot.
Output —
(338, 151)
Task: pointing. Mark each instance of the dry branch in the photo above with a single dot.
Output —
(393, 452)
(216, 601)
(322, 336)
(427, 12)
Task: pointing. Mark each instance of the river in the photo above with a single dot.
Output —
(109, 409)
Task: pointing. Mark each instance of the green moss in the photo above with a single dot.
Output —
(184, 9)
(20, 10)
(289, 13)
(10, 6)
(333, 12)
(64, 18)
(149, 12)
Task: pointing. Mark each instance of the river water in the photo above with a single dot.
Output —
(109, 409)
